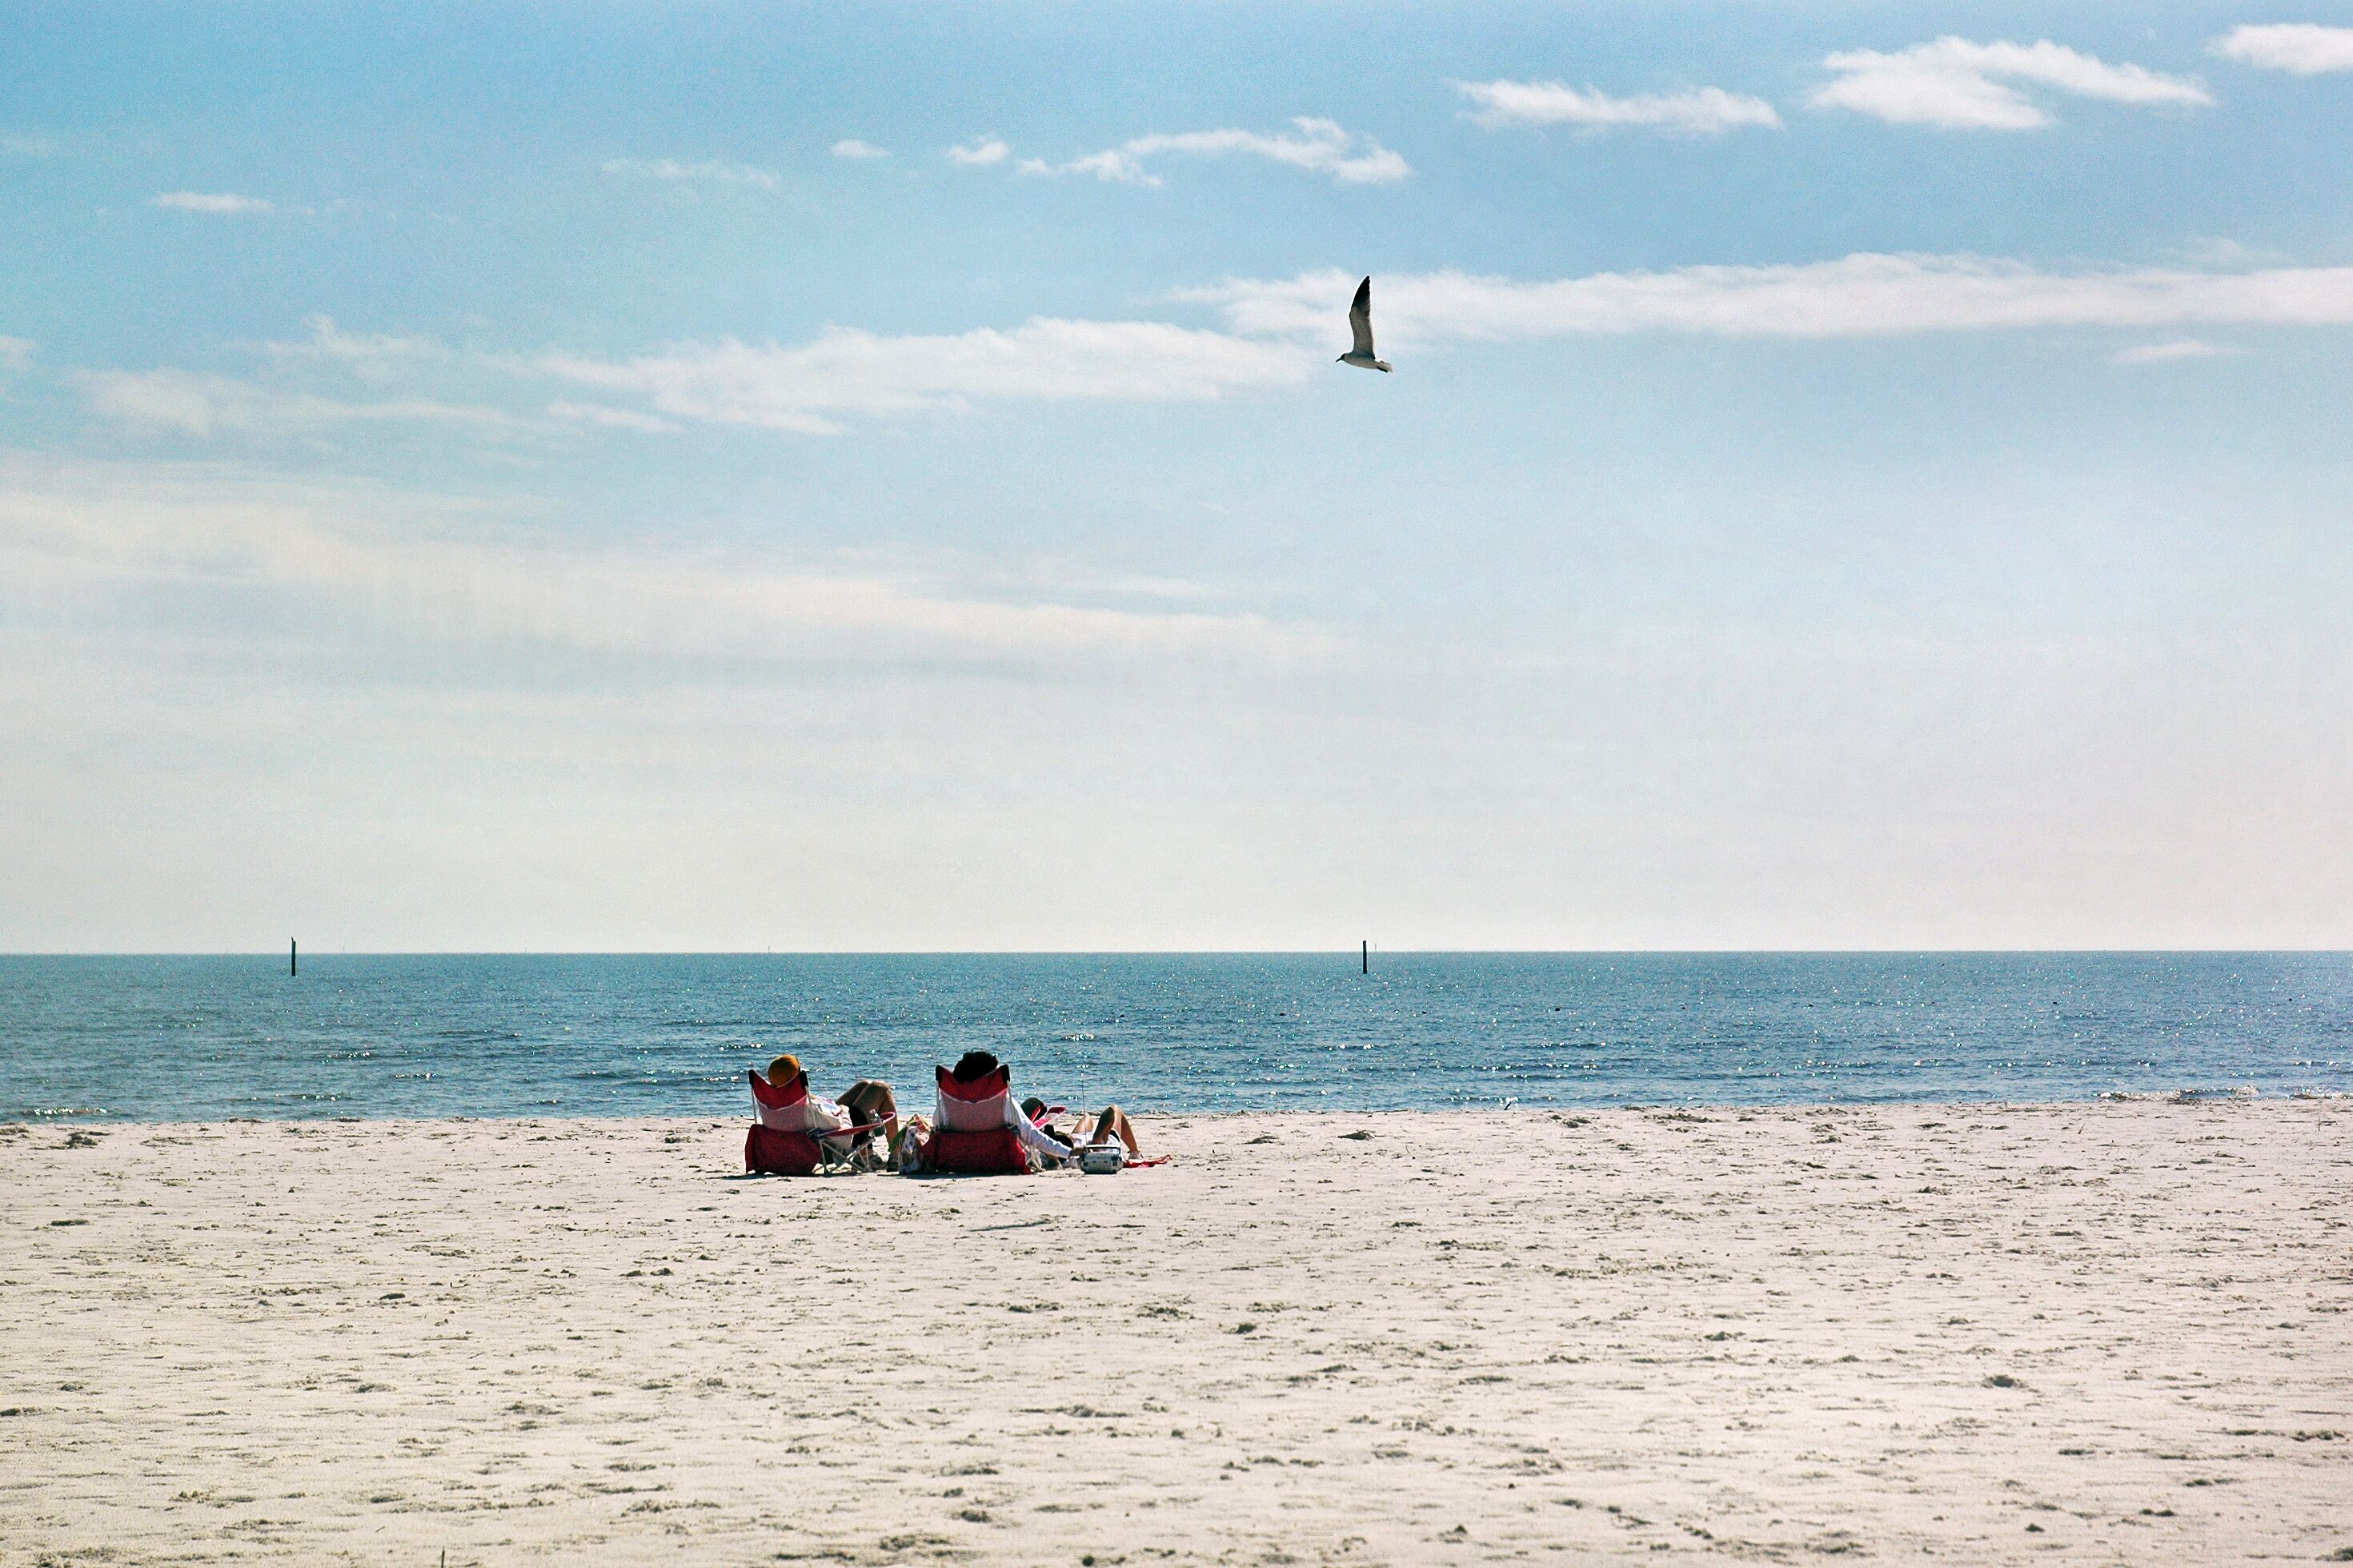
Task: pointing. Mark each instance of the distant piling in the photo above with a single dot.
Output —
(1368, 955)
(294, 956)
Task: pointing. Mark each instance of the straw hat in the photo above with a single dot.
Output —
(784, 1070)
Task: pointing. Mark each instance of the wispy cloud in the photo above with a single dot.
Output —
(1277, 332)
(330, 378)
(202, 405)
(2304, 49)
(706, 173)
(979, 154)
(1956, 84)
(222, 203)
(1855, 296)
(444, 569)
(373, 355)
(610, 418)
(22, 146)
(851, 147)
(810, 388)
(2165, 353)
(2220, 253)
(15, 353)
(1319, 146)
(1700, 111)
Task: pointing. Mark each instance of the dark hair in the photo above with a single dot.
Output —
(973, 1064)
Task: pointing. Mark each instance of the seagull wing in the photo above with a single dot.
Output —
(1360, 319)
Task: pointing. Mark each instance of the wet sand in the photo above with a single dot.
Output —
(2103, 1333)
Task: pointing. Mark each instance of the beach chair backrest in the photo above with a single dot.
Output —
(976, 1106)
(778, 1144)
(784, 1106)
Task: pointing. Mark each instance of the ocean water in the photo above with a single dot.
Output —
(213, 1037)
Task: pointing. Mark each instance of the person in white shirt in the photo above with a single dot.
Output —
(976, 1064)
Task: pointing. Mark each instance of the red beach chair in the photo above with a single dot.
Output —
(975, 1135)
(791, 1139)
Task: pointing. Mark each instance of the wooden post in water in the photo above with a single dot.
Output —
(294, 956)
(1368, 955)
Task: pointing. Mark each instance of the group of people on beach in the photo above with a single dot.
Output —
(870, 1106)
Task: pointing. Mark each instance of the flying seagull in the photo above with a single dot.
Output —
(1360, 328)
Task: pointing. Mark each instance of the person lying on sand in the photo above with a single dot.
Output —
(1113, 1124)
(864, 1101)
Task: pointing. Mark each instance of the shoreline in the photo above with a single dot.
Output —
(2236, 1095)
(2087, 1331)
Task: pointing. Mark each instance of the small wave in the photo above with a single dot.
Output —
(2191, 1097)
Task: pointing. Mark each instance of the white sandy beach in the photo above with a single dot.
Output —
(2089, 1333)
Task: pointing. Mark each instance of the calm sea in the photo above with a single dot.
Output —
(199, 1038)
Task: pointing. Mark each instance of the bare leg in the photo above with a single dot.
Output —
(1114, 1123)
(871, 1101)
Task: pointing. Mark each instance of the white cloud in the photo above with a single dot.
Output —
(15, 353)
(979, 154)
(27, 146)
(1320, 146)
(708, 173)
(807, 388)
(1862, 295)
(202, 405)
(2220, 253)
(1112, 166)
(223, 204)
(610, 416)
(375, 356)
(2304, 49)
(851, 147)
(2164, 352)
(1701, 111)
(1960, 85)
(1277, 333)
(331, 377)
(444, 569)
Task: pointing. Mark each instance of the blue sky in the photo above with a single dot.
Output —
(735, 476)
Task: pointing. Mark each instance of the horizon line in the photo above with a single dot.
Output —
(1137, 952)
